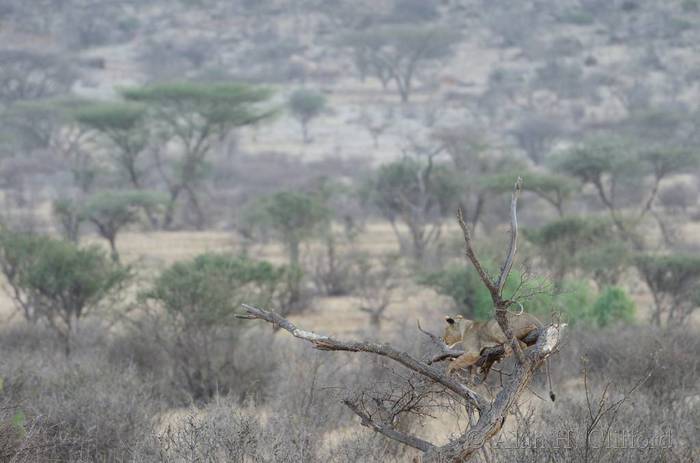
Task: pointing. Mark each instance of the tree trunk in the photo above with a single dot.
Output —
(200, 219)
(404, 87)
(113, 247)
(294, 253)
(419, 243)
(170, 209)
(66, 335)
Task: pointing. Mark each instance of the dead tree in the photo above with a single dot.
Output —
(491, 413)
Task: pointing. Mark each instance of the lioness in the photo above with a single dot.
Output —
(476, 335)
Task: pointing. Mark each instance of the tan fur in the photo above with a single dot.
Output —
(473, 336)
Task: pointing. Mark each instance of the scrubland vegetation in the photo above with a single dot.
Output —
(163, 163)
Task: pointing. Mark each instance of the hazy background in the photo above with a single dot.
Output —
(163, 161)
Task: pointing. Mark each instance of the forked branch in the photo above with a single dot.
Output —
(495, 287)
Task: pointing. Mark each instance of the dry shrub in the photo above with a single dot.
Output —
(78, 409)
(247, 376)
(622, 354)
(649, 379)
(299, 418)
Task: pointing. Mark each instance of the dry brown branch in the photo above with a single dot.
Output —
(388, 430)
(496, 287)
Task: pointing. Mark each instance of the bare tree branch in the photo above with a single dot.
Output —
(323, 342)
(388, 430)
(471, 255)
(513, 247)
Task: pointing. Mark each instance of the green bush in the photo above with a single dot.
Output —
(191, 308)
(575, 301)
(613, 305)
(57, 281)
(572, 301)
(209, 289)
(294, 216)
(462, 284)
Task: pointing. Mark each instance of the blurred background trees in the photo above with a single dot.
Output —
(306, 105)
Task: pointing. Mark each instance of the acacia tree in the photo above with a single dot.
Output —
(556, 189)
(192, 117)
(396, 52)
(471, 155)
(376, 124)
(674, 281)
(305, 106)
(56, 281)
(111, 211)
(418, 194)
(33, 124)
(124, 131)
(536, 136)
(382, 415)
(610, 166)
(67, 212)
(605, 164)
(47, 126)
(377, 282)
(616, 169)
(293, 216)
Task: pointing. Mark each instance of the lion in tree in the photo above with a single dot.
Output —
(474, 336)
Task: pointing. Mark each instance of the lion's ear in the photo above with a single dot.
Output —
(450, 320)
